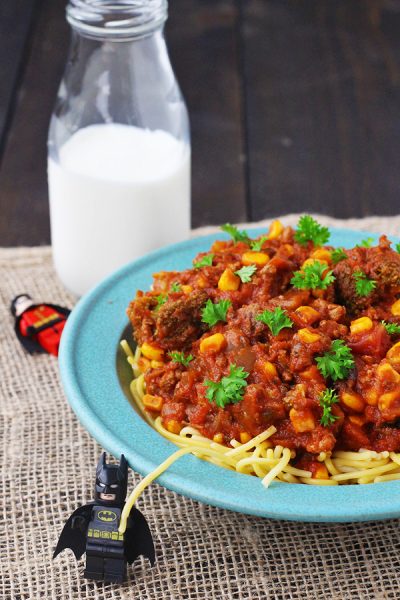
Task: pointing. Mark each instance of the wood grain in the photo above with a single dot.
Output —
(203, 40)
(24, 217)
(16, 20)
(323, 104)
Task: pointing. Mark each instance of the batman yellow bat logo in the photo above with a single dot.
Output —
(107, 516)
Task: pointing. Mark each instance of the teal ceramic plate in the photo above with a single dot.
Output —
(88, 363)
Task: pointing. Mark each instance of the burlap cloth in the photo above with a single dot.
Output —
(203, 553)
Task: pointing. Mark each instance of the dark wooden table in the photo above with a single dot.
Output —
(294, 105)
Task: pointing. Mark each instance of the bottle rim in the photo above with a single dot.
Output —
(116, 19)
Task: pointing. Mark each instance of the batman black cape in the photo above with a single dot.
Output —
(137, 537)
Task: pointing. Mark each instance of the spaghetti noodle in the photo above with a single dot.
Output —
(277, 357)
(258, 456)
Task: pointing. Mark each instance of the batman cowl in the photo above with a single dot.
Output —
(93, 528)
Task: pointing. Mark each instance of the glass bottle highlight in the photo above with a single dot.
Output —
(119, 147)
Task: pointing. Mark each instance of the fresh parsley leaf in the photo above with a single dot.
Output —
(309, 230)
(246, 273)
(337, 362)
(326, 400)
(228, 390)
(176, 287)
(212, 313)
(337, 255)
(364, 285)
(391, 328)
(235, 233)
(161, 299)
(311, 277)
(367, 243)
(256, 245)
(275, 319)
(179, 357)
(397, 246)
(206, 261)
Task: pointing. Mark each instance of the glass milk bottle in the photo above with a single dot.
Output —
(119, 147)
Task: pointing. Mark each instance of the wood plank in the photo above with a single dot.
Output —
(15, 23)
(322, 106)
(202, 39)
(23, 188)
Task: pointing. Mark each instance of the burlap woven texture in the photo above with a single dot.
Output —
(203, 553)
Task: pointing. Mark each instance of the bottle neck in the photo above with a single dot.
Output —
(118, 20)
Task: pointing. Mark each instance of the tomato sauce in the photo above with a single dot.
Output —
(284, 383)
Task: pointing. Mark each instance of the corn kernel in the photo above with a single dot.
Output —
(302, 421)
(387, 399)
(371, 397)
(308, 314)
(395, 308)
(201, 282)
(311, 374)
(353, 401)
(269, 369)
(152, 352)
(287, 250)
(320, 472)
(386, 372)
(187, 289)
(218, 246)
(228, 282)
(361, 325)
(143, 364)
(156, 364)
(275, 230)
(393, 355)
(173, 426)
(312, 261)
(244, 437)
(322, 254)
(213, 343)
(218, 438)
(359, 420)
(152, 402)
(307, 336)
(255, 258)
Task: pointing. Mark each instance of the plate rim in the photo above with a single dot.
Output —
(378, 497)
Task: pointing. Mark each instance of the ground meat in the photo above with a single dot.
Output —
(178, 322)
(244, 319)
(380, 263)
(140, 314)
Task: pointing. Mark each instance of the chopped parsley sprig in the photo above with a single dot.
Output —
(397, 246)
(276, 319)
(246, 273)
(235, 233)
(179, 357)
(326, 400)
(391, 328)
(309, 230)
(337, 362)
(364, 285)
(312, 277)
(161, 299)
(338, 254)
(257, 245)
(228, 390)
(367, 243)
(212, 313)
(206, 261)
(176, 287)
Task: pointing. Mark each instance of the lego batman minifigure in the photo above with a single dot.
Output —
(93, 528)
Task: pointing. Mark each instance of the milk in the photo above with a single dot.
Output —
(116, 192)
